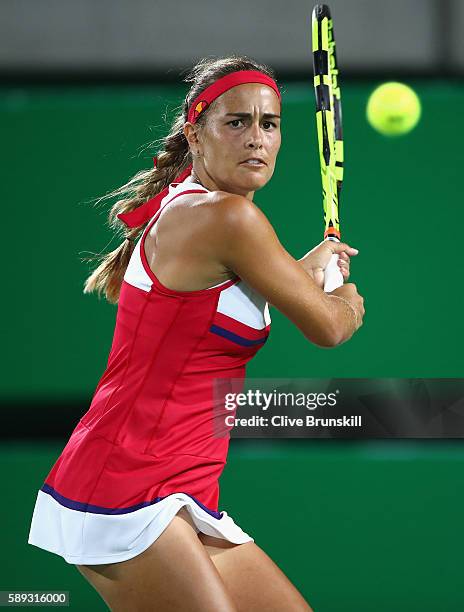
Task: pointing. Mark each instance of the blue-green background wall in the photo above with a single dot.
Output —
(400, 206)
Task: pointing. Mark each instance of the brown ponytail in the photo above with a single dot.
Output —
(172, 160)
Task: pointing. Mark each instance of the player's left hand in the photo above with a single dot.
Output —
(316, 260)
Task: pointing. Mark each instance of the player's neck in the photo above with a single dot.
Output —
(200, 176)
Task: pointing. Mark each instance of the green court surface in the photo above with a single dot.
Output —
(357, 527)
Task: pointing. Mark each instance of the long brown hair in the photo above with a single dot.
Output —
(173, 158)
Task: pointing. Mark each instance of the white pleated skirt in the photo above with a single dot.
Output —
(87, 538)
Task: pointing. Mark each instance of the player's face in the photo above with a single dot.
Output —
(243, 123)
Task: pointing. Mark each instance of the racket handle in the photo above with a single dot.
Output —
(333, 276)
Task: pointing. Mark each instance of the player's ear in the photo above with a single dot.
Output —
(191, 134)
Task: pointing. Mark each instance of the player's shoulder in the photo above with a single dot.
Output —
(234, 212)
(220, 216)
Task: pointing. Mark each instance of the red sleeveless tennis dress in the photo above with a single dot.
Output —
(149, 445)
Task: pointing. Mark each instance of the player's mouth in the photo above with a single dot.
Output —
(253, 162)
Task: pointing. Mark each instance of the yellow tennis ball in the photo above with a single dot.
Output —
(393, 109)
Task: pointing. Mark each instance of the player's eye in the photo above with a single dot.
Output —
(235, 122)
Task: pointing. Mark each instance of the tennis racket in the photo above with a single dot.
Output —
(329, 131)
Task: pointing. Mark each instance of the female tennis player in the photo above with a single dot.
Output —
(132, 500)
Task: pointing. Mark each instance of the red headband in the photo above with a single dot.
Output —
(143, 213)
(203, 100)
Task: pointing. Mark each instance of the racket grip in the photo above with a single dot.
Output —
(333, 277)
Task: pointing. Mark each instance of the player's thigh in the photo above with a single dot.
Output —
(255, 582)
(174, 574)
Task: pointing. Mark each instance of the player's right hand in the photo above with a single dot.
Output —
(349, 292)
